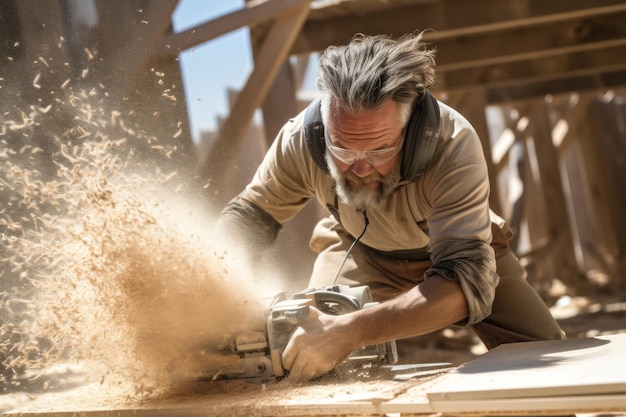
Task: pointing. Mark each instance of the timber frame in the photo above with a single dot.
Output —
(543, 82)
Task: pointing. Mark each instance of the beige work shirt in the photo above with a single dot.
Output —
(452, 195)
(445, 211)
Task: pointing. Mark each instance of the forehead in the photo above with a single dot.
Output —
(384, 117)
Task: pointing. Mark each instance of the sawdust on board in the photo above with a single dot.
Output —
(237, 397)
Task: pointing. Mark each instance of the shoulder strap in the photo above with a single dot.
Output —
(420, 140)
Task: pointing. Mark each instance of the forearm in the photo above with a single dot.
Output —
(322, 341)
(247, 223)
(432, 305)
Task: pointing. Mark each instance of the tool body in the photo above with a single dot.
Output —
(257, 354)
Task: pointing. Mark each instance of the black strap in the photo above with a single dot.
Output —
(421, 137)
(314, 133)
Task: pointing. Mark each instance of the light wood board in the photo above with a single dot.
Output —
(575, 375)
(533, 378)
(587, 366)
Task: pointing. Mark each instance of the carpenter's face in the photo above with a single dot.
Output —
(363, 154)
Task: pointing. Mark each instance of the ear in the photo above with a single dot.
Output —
(313, 131)
(420, 137)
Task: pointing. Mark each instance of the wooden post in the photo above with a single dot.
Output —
(280, 103)
(603, 145)
(559, 231)
(273, 53)
(141, 83)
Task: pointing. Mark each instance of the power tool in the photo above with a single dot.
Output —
(256, 355)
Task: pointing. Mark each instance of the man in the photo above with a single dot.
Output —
(405, 176)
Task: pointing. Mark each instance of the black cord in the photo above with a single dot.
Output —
(345, 258)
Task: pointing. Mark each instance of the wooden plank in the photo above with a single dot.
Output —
(602, 144)
(272, 54)
(538, 406)
(252, 14)
(146, 27)
(554, 198)
(531, 378)
(567, 83)
(39, 60)
(531, 42)
(280, 102)
(554, 368)
(449, 19)
(547, 68)
(237, 399)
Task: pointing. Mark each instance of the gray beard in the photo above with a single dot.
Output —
(358, 192)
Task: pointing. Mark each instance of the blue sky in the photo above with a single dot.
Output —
(211, 68)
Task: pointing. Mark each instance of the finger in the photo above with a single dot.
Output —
(291, 350)
(306, 373)
(288, 358)
(296, 371)
(301, 373)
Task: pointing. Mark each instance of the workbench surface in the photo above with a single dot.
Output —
(534, 378)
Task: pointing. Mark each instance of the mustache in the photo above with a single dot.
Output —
(350, 177)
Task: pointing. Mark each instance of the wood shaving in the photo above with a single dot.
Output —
(104, 262)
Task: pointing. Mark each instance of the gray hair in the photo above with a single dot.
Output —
(370, 70)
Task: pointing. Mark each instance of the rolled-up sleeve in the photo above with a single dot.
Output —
(472, 265)
(457, 191)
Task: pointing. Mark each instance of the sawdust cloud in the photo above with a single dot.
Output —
(107, 261)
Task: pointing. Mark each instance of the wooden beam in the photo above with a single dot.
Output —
(52, 60)
(575, 116)
(254, 13)
(147, 88)
(272, 54)
(549, 68)
(525, 91)
(602, 143)
(535, 220)
(448, 19)
(516, 170)
(505, 44)
(280, 103)
(522, 43)
(39, 63)
(554, 198)
(152, 23)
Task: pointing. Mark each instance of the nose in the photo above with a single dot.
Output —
(362, 168)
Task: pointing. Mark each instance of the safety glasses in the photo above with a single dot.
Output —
(374, 158)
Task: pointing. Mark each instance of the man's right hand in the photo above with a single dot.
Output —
(317, 346)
